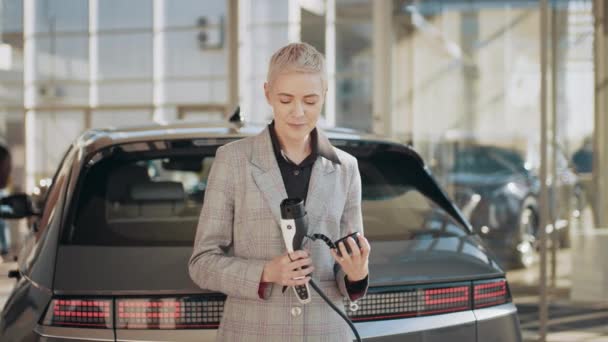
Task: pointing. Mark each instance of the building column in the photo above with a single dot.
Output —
(330, 59)
(93, 56)
(162, 112)
(382, 14)
(233, 55)
(600, 134)
(29, 52)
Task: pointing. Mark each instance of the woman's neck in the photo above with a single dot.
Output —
(296, 150)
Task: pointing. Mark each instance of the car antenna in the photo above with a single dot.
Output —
(236, 119)
(236, 116)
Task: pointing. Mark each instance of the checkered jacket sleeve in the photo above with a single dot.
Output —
(210, 266)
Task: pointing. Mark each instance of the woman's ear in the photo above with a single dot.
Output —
(267, 92)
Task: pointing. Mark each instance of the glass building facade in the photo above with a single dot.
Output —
(432, 73)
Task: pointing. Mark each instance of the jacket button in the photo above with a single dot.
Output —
(296, 311)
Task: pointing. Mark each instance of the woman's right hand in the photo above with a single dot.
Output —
(281, 270)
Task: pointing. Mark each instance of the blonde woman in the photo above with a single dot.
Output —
(239, 249)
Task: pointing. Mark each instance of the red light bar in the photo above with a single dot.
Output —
(489, 293)
(170, 313)
(82, 313)
(448, 299)
(412, 302)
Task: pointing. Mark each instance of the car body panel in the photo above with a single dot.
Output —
(499, 323)
(445, 259)
(57, 334)
(22, 311)
(122, 270)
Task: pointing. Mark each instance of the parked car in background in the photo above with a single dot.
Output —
(500, 194)
(109, 260)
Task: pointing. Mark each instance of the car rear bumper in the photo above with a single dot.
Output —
(499, 323)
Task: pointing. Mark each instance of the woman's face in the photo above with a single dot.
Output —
(296, 99)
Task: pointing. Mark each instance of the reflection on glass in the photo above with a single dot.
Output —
(125, 93)
(52, 134)
(120, 14)
(11, 54)
(185, 58)
(61, 16)
(354, 64)
(11, 16)
(134, 199)
(187, 13)
(469, 80)
(62, 57)
(62, 93)
(125, 56)
(100, 118)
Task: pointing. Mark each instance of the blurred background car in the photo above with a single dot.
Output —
(499, 192)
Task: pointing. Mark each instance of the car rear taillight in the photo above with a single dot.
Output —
(170, 313)
(490, 293)
(425, 300)
(411, 302)
(447, 299)
(81, 313)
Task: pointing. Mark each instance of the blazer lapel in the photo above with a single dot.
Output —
(320, 190)
(266, 173)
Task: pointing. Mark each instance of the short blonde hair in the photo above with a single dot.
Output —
(298, 57)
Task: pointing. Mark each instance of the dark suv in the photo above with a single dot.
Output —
(108, 255)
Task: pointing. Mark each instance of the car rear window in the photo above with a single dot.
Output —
(154, 197)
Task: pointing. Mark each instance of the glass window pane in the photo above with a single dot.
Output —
(197, 92)
(53, 132)
(354, 64)
(203, 116)
(188, 12)
(62, 58)
(61, 93)
(467, 80)
(11, 94)
(11, 55)
(125, 93)
(11, 16)
(185, 57)
(125, 56)
(398, 198)
(120, 14)
(120, 118)
(313, 30)
(64, 15)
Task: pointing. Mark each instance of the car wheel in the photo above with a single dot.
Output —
(525, 248)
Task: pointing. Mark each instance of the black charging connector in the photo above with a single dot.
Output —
(336, 309)
(335, 245)
(346, 244)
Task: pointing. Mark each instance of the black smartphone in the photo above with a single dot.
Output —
(354, 236)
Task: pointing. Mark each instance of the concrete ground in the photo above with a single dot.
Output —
(569, 321)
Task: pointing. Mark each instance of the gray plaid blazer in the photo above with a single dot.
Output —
(238, 232)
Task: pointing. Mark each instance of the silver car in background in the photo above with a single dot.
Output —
(110, 247)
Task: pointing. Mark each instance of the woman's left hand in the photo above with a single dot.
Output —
(355, 265)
